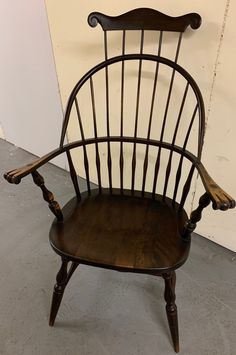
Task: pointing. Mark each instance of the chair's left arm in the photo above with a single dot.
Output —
(220, 199)
(213, 193)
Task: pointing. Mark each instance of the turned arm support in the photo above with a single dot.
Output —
(47, 195)
(196, 216)
(219, 198)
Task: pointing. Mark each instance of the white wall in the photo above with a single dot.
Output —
(30, 108)
(206, 53)
(219, 153)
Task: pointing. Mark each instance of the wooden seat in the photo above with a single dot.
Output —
(121, 231)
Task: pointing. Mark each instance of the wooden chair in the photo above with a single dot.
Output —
(120, 226)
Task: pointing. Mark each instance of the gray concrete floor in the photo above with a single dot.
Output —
(103, 312)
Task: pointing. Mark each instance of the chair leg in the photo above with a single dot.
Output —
(171, 308)
(71, 271)
(62, 279)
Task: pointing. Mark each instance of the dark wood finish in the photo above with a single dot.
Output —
(145, 19)
(58, 291)
(62, 279)
(171, 308)
(168, 168)
(137, 112)
(98, 163)
(47, 195)
(116, 228)
(97, 231)
(157, 165)
(109, 161)
(145, 163)
(132, 57)
(196, 216)
(86, 163)
(186, 187)
(72, 269)
(73, 174)
(122, 114)
(179, 170)
(220, 199)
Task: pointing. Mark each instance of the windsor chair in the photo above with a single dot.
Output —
(135, 224)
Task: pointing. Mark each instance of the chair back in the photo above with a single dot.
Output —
(137, 112)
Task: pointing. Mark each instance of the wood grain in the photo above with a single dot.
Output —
(97, 231)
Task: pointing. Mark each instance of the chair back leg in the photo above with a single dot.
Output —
(171, 308)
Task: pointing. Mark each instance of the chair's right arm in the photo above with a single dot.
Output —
(15, 176)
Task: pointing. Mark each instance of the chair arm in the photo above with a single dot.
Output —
(220, 199)
(15, 176)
